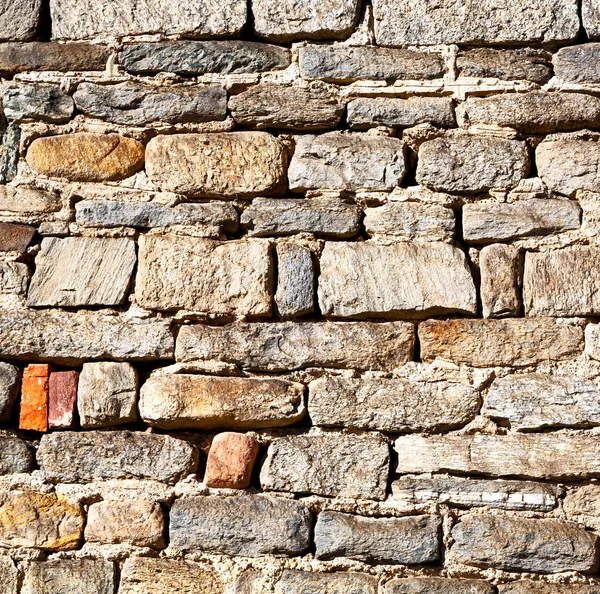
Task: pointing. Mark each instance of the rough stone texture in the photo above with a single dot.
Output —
(39, 520)
(286, 107)
(488, 222)
(473, 22)
(364, 280)
(412, 540)
(217, 165)
(73, 20)
(420, 585)
(182, 401)
(10, 382)
(582, 503)
(288, 346)
(519, 544)
(519, 64)
(20, 20)
(351, 162)
(279, 216)
(139, 523)
(471, 164)
(73, 337)
(391, 404)
(470, 492)
(14, 278)
(107, 394)
(193, 58)
(27, 201)
(33, 413)
(86, 156)
(248, 525)
(230, 461)
(561, 282)
(366, 112)
(339, 63)
(143, 575)
(221, 278)
(566, 166)
(137, 105)
(62, 399)
(39, 102)
(500, 271)
(83, 576)
(101, 455)
(492, 343)
(301, 582)
(531, 587)
(15, 238)
(16, 455)
(82, 271)
(328, 464)
(578, 64)
(295, 281)
(9, 576)
(590, 16)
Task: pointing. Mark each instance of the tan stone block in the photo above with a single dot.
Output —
(230, 461)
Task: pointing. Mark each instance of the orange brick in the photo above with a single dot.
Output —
(34, 398)
(230, 461)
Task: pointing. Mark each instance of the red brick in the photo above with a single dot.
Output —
(34, 398)
(230, 461)
(62, 399)
(15, 237)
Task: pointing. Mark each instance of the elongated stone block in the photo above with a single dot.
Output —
(23, 200)
(530, 587)
(47, 103)
(299, 582)
(33, 413)
(425, 585)
(500, 268)
(10, 381)
(9, 575)
(295, 281)
(15, 238)
(84, 576)
(62, 399)
(577, 64)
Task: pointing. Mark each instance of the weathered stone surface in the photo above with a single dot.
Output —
(110, 213)
(338, 160)
(295, 281)
(62, 399)
(288, 346)
(520, 544)
(410, 540)
(73, 337)
(221, 278)
(143, 575)
(9, 576)
(578, 64)
(420, 585)
(472, 22)
(222, 165)
(291, 108)
(39, 520)
(11, 152)
(500, 270)
(182, 401)
(566, 166)
(248, 525)
(592, 341)
(230, 461)
(9, 390)
(16, 455)
(14, 278)
(33, 413)
(531, 455)
(367, 112)
(340, 63)
(137, 105)
(43, 55)
(206, 18)
(362, 280)
(38, 102)
(391, 404)
(81, 576)
(20, 20)
(279, 216)
(333, 465)
(519, 64)
(469, 492)
(15, 238)
(139, 523)
(86, 157)
(411, 221)
(193, 58)
(531, 587)
(301, 582)
(101, 455)
(471, 164)
(26, 201)
(77, 271)
(562, 282)
(107, 394)
(590, 16)
(582, 503)
(497, 343)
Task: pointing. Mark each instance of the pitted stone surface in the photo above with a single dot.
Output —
(84, 576)
(20, 19)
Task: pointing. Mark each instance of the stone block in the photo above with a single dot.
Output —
(20, 19)
(33, 413)
(15, 238)
(577, 64)
(294, 296)
(590, 17)
(581, 504)
(62, 399)
(293, 581)
(81, 576)
(16, 455)
(47, 103)
(14, 278)
(10, 381)
(230, 461)
(9, 576)
(21, 200)
(531, 587)
(500, 269)
(427, 585)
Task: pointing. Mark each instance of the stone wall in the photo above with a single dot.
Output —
(300, 297)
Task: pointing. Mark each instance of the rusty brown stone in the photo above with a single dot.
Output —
(15, 237)
(62, 399)
(230, 461)
(33, 415)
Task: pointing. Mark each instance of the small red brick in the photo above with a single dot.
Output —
(15, 237)
(62, 399)
(230, 461)
(34, 398)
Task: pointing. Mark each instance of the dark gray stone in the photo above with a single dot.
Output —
(9, 390)
(16, 455)
(10, 153)
(578, 64)
(37, 102)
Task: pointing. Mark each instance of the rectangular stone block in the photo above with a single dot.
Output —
(47, 103)
(365, 280)
(9, 575)
(411, 540)
(498, 343)
(531, 587)
(293, 581)
(71, 457)
(21, 200)
(219, 165)
(62, 399)
(15, 238)
(288, 346)
(395, 405)
(10, 382)
(182, 401)
(590, 16)
(248, 525)
(426, 585)
(82, 271)
(521, 544)
(16, 455)
(294, 296)
(230, 461)
(33, 414)
(14, 278)
(332, 465)
(221, 278)
(20, 19)
(83, 576)
(577, 64)
(500, 269)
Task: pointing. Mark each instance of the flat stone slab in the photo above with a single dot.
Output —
(84, 576)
